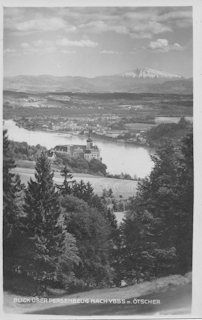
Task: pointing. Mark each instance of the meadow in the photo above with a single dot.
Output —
(124, 188)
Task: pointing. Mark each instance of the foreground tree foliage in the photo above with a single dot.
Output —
(67, 237)
(10, 184)
(12, 208)
(173, 131)
(66, 187)
(156, 236)
(22, 150)
(104, 206)
(92, 235)
(46, 236)
(84, 191)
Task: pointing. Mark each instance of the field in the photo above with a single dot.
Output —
(139, 126)
(125, 188)
(20, 104)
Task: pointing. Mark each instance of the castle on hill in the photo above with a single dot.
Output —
(88, 151)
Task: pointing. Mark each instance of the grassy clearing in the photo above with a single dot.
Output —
(25, 164)
(30, 164)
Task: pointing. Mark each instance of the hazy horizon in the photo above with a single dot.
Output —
(51, 75)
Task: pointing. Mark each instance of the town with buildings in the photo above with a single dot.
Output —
(109, 127)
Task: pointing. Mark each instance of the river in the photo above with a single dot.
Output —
(119, 157)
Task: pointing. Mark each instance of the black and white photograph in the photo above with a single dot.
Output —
(99, 200)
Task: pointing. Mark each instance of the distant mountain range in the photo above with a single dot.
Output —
(141, 80)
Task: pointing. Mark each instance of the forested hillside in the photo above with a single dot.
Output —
(173, 131)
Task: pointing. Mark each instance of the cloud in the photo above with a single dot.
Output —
(42, 47)
(68, 51)
(101, 26)
(138, 23)
(162, 45)
(38, 50)
(24, 45)
(147, 29)
(42, 43)
(176, 15)
(81, 43)
(138, 49)
(12, 16)
(41, 25)
(177, 19)
(30, 51)
(141, 35)
(38, 47)
(110, 52)
(11, 52)
(185, 23)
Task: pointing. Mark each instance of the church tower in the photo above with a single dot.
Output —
(89, 143)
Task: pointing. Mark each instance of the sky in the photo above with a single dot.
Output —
(96, 41)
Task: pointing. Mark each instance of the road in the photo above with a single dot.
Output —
(174, 301)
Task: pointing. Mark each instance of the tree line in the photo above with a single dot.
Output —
(173, 131)
(65, 236)
(80, 164)
(23, 151)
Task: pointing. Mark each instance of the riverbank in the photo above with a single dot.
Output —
(93, 135)
(115, 140)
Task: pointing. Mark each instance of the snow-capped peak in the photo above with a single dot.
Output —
(149, 73)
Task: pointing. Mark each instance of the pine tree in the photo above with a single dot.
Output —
(155, 200)
(12, 189)
(83, 191)
(44, 230)
(136, 254)
(66, 187)
(92, 235)
(167, 196)
(184, 204)
(9, 188)
(174, 199)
